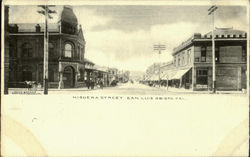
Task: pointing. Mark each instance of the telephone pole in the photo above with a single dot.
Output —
(46, 12)
(159, 48)
(211, 10)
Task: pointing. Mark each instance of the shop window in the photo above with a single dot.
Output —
(203, 54)
(26, 50)
(26, 73)
(51, 50)
(27, 76)
(201, 76)
(51, 76)
(244, 56)
(12, 71)
(68, 49)
(217, 54)
(81, 78)
(12, 51)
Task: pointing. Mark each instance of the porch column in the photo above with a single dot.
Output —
(167, 82)
(76, 76)
(239, 78)
(61, 85)
(37, 73)
(180, 82)
(88, 75)
(193, 78)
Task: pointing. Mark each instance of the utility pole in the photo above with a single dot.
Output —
(159, 48)
(211, 11)
(46, 11)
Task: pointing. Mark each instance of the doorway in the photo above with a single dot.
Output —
(68, 77)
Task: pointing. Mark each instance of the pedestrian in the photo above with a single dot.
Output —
(88, 83)
(28, 84)
(101, 84)
(92, 84)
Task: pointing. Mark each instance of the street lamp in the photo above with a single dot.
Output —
(211, 11)
(159, 48)
(46, 11)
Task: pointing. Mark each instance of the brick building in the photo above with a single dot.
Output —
(66, 52)
(192, 64)
(6, 49)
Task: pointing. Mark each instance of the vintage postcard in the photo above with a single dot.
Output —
(125, 78)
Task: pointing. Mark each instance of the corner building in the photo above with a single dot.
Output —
(66, 52)
(193, 61)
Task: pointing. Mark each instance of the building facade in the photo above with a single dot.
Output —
(66, 52)
(112, 75)
(193, 61)
(123, 76)
(6, 49)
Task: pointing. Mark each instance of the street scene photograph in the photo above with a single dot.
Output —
(125, 49)
(123, 78)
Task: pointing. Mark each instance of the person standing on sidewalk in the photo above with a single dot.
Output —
(101, 84)
(92, 84)
(88, 83)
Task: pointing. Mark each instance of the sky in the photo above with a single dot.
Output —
(123, 36)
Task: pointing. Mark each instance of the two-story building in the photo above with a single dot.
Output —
(112, 75)
(123, 76)
(193, 61)
(66, 52)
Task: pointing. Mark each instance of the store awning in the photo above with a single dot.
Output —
(168, 74)
(154, 77)
(180, 73)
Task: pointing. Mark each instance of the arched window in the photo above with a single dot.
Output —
(26, 50)
(68, 50)
(82, 54)
(78, 52)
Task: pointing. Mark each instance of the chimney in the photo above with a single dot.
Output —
(16, 28)
(38, 28)
(196, 35)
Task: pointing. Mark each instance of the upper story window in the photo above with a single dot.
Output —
(203, 54)
(82, 54)
(179, 60)
(26, 50)
(78, 52)
(188, 56)
(183, 58)
(68, 49)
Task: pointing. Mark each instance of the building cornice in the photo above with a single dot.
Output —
(198, 37)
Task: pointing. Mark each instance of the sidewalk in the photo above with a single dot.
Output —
(56, 89)
(183, 90)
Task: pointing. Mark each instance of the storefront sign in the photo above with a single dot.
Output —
(201, 86)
